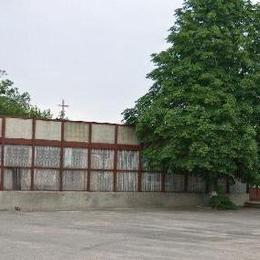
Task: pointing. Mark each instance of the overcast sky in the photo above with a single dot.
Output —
(93, 53)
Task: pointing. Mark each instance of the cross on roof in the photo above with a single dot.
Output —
(63, 106)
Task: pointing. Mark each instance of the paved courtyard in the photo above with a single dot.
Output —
(131, 234)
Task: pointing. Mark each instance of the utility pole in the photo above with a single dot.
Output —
(62, 112)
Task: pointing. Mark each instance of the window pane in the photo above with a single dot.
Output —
(127, 181)
(128, 160)
(46, 156)
(174, 182)
(18, 155)
(74, 180)
(101, 181)
(151, 181)
(17, 179)
(46, 180)
(102, 159)
(75, 158)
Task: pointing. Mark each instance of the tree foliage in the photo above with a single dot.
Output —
(202, 114)
(14, 103)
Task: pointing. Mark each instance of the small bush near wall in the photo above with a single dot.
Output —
(222, 202)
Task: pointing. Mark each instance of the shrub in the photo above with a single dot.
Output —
(222, 202)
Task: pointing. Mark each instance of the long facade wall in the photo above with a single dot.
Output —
(51, 155)
(71, 200)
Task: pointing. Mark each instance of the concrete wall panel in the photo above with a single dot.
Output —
(76, 132)
(103, 133)
(32, 200)
(127, 135)
(48, 130)
(18, 128)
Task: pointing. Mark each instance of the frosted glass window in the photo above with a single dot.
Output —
(238, 187)
(75, 158)
(46, 180)
(17, 179)
(174, 183)
(127, 181)
(151, 181)
(196, 184)
(101, 181)
(47, 156)
(17, 155)
(128, 160)
(74, 180)
(102, 159)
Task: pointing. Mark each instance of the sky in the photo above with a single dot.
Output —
(94, 54)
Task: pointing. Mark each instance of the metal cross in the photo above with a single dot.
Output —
(63, 106)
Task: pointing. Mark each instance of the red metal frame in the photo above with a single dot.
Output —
(139, 177)
(73, 169)
(163, 182)
(89, 156)
(33, 154)
(37, 142)
(115, 161)
(186, 179)
(2, 153)
(61, 155)
(62, 144)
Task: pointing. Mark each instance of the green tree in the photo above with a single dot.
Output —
(14, 103)
(202, 114)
